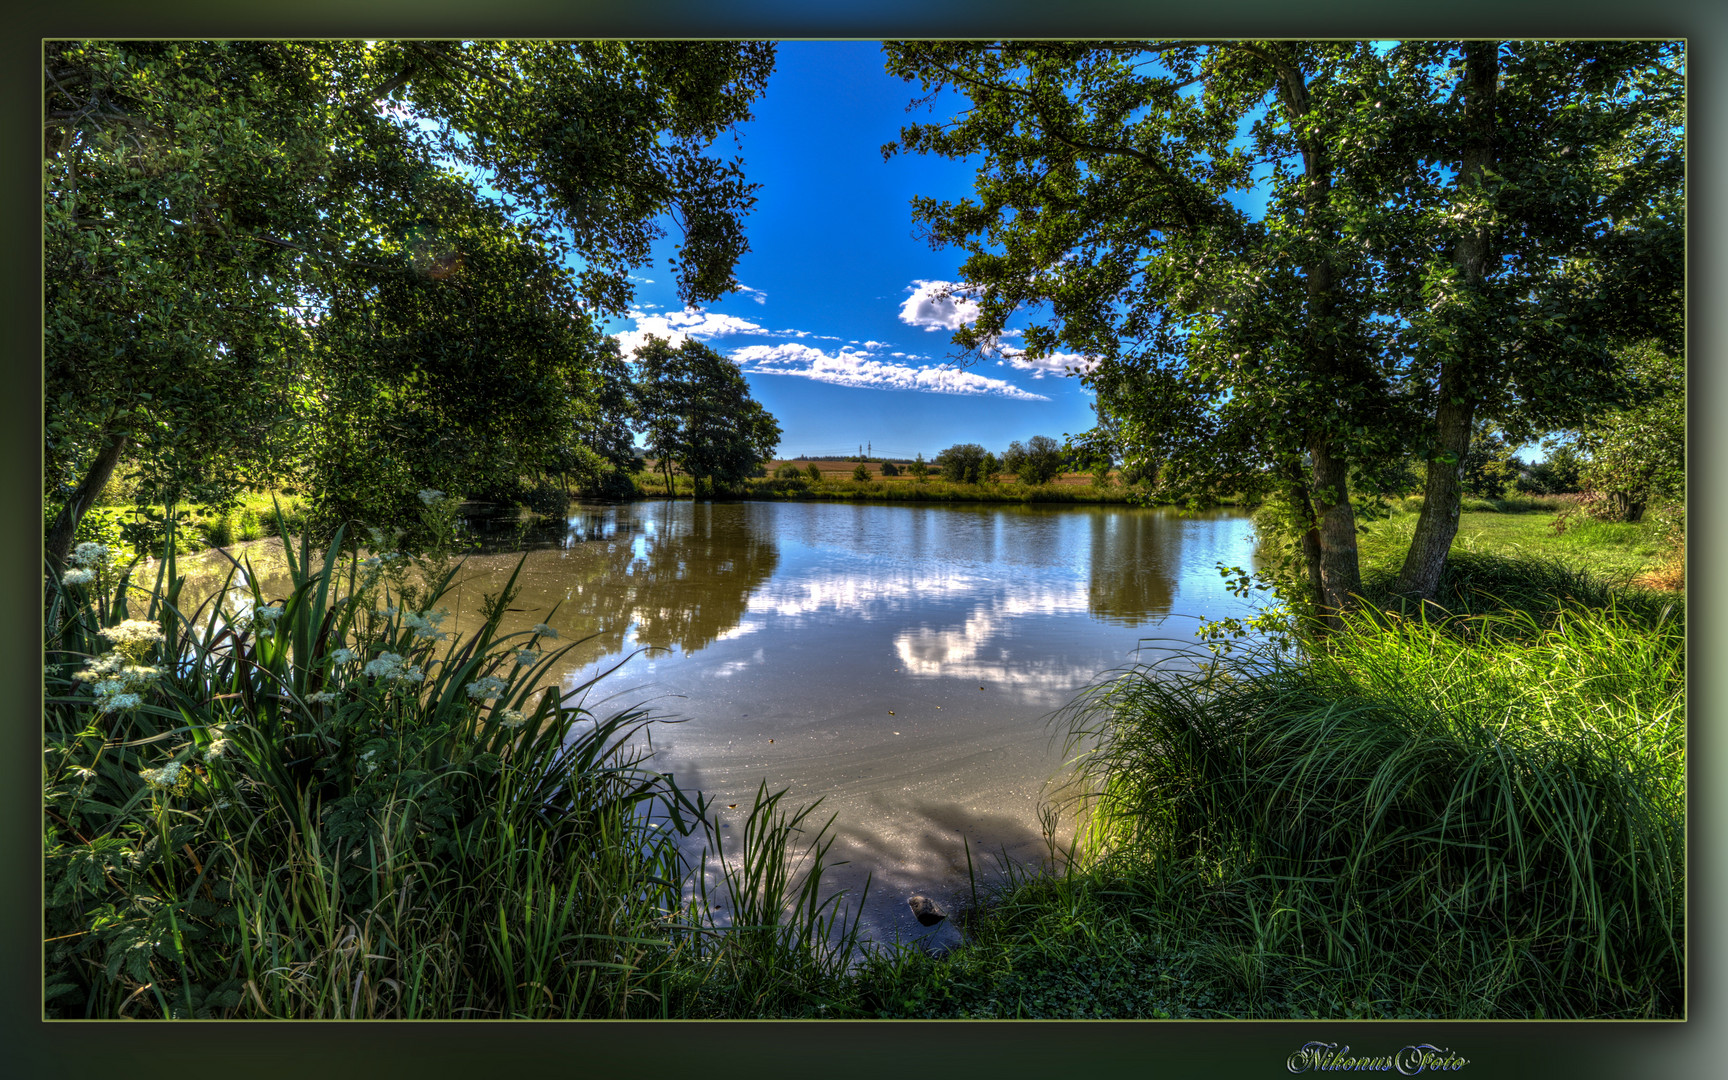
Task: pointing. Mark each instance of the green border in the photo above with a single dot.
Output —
(1224, 1049)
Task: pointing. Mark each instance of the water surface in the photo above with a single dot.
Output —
(900, 662)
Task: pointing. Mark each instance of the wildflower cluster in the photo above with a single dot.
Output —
(527, 657)
(486, 688)
(391, 666)
(119, 677)
(342, 656)
(167, 778)
(425, 623)
(545, 631)
(428, 496)
(512, 718)
(87, 561)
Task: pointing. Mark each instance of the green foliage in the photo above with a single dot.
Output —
(1637, 456)
(273, 257)
(698, 413)
(919, 469)
(1035, 462)
(1557, 474)
(815, 473)
(789, 471)
(322, 806)
(1386, 808)
(1452, 229)
(861, 471)
(890, 469)
(964, 463)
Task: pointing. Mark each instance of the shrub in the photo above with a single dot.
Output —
(861, 471)
(890, 469)
(788, 471)
(815, 473)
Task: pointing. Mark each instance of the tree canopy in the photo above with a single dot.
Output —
(1450, 229)
(698, 415)
(279, 255)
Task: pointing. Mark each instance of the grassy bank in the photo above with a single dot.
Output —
(1473, 814)
(321, 806)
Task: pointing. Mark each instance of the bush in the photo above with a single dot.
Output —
(815, 473)
(860, 471)
(788, 471)
(890, 469)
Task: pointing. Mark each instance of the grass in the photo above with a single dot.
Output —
(318, 806)
(1409, 822)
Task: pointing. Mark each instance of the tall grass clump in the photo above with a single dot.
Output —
(1406, 819)
(322, 806)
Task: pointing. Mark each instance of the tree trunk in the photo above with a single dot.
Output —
(58, 543)
(1330, 545)
(1455, 411)
(1340, 570)
(1441, 495)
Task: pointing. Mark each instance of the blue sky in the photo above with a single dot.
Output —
(839, 330)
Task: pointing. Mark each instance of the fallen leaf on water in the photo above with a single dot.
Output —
(890, 712)
(731, 806)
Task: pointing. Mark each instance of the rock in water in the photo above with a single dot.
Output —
(929, 913)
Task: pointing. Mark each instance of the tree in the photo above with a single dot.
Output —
(889, 468)
(218, 211)
(1037, 462)
(1636, 457)
(860, 471)
(919, 469)
(962, 463)
(180, 178)
(1308, 350)
(1557, 474)
(1558, 239)
(698, 415)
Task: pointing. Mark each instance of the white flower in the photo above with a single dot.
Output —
(78, 577)
(322, 697)
(425, 623)
(391, 666)
(117, 702)
(268, 613)
(165, 777)
(545, 631)
(90, 553)
(512, 719)
(430, 495)
(342, 656)
(527, 658)
(487, 687)
(133, 637)
(217, 749)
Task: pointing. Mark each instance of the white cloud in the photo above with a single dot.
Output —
(679, 326)
(875, 344)
(1055, 364)
(848, 368)
(755, 294)
(938, 305)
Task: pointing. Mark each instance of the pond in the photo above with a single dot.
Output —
(899, 662)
